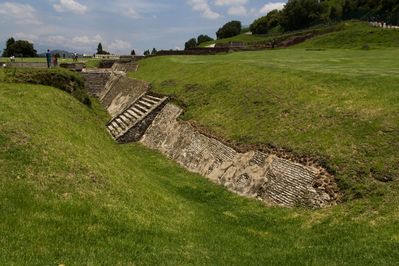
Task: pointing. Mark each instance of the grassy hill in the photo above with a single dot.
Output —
(339, 105)
(70, 195)
(356, 35)
(348, 34)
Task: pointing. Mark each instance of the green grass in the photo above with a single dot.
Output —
(266, 38)
(356, 35)
(339, 105)
(348, 35)
(70, 195)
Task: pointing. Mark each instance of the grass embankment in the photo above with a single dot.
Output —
(70, 195)
(356, 35)
(277, 36)
(348, 34)
(63, 79)
(340, 105)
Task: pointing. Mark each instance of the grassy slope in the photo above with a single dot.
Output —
(70, 195)
(356, 35)
(349, 34)
(261, 38)
(341, 105)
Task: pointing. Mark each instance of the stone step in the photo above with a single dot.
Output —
(138, 106)
(144, 103)
(132, 115)
(153, 97)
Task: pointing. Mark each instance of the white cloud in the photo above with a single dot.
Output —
(83, 40)
(230, 2)
(203, 7)
(119, 46)
(132, 13)
(21, 13)
(71, 6)
(271, 6)
(26, 36)
(237, 11)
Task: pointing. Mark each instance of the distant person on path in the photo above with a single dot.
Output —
(55, 60)
(48, 57)
(75, 57)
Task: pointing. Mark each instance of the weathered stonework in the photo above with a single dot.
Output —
(95, 81)
(121, 91)
(138, 115)
(253, 174)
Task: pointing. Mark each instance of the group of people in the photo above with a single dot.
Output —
(52, 59)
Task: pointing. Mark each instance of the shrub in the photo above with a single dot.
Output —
(192, 43)
(62, 79)
(203, 38)
(230, 29)
(264, 24)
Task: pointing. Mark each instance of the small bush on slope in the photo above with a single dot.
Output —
(63, 79)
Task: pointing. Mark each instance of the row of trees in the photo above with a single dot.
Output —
(20, 48)
(299, 14)
(153, 52)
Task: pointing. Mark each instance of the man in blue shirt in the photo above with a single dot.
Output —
(48, 56)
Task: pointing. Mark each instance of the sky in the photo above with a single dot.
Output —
(121, 25)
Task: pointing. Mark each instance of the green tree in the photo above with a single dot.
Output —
(203, 38)
(100, 49)
(154, 51)
(230, 29)
(264, 24)
(299, 14)
(147, 52)
(192, 43)
(133, 52)
(21, 48)
(10, 42)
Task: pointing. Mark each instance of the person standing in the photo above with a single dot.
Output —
(48, 57)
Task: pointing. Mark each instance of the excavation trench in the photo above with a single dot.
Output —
(139, 115)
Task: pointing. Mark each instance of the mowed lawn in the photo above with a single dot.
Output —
(338, 105)
(70, 195)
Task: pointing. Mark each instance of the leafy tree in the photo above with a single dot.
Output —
(264, 24)
(10, 42)
(298, 14)
(230, 29)
(154, 51)
(20, 48)
(147, 52)
(133, 52)
(100, 49)
(203, 38)
(192, 43)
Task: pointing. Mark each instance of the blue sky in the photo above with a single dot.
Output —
(121, 25)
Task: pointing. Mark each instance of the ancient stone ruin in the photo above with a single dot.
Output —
(141, 115)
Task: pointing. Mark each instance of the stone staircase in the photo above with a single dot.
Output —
(95, 80)
(130, 124)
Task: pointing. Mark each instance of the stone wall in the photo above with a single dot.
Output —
(254, 174)
(95, 81)
(120, 92)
